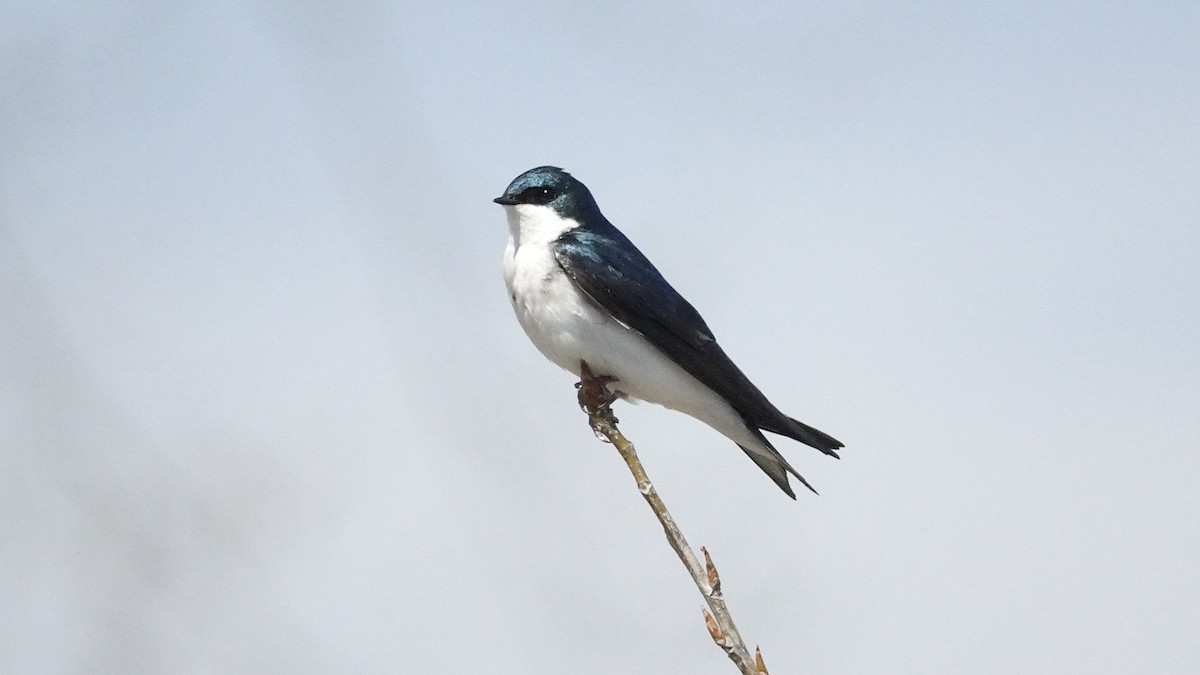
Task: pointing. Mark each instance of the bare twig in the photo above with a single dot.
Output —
(596, 402)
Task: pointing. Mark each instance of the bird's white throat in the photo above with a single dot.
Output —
(532, 224)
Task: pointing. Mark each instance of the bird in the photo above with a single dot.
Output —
(589, 300)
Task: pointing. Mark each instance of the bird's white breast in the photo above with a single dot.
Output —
(556, 316)
(567, 326)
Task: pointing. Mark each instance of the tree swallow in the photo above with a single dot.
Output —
(584, 293)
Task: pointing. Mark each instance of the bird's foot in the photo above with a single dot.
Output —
(595, 398)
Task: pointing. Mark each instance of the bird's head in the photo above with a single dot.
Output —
(548, 188)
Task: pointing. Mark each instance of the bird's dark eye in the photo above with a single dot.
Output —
(538, 195)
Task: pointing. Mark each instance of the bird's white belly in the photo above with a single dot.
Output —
(566, 326)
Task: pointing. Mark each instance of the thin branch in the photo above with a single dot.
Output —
(596, 402)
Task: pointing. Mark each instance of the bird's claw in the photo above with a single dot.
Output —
(595, 398)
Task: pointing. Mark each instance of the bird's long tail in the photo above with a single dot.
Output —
(793, 428)
(774, 465)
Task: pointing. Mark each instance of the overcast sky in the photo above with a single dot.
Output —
(264, 406)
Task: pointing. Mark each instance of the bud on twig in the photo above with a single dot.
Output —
(714, 579)
(713, 629)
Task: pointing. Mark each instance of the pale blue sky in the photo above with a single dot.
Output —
(264, 407)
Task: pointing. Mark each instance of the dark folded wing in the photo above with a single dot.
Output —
(615, 274)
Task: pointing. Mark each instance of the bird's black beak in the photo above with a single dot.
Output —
(506, 201)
